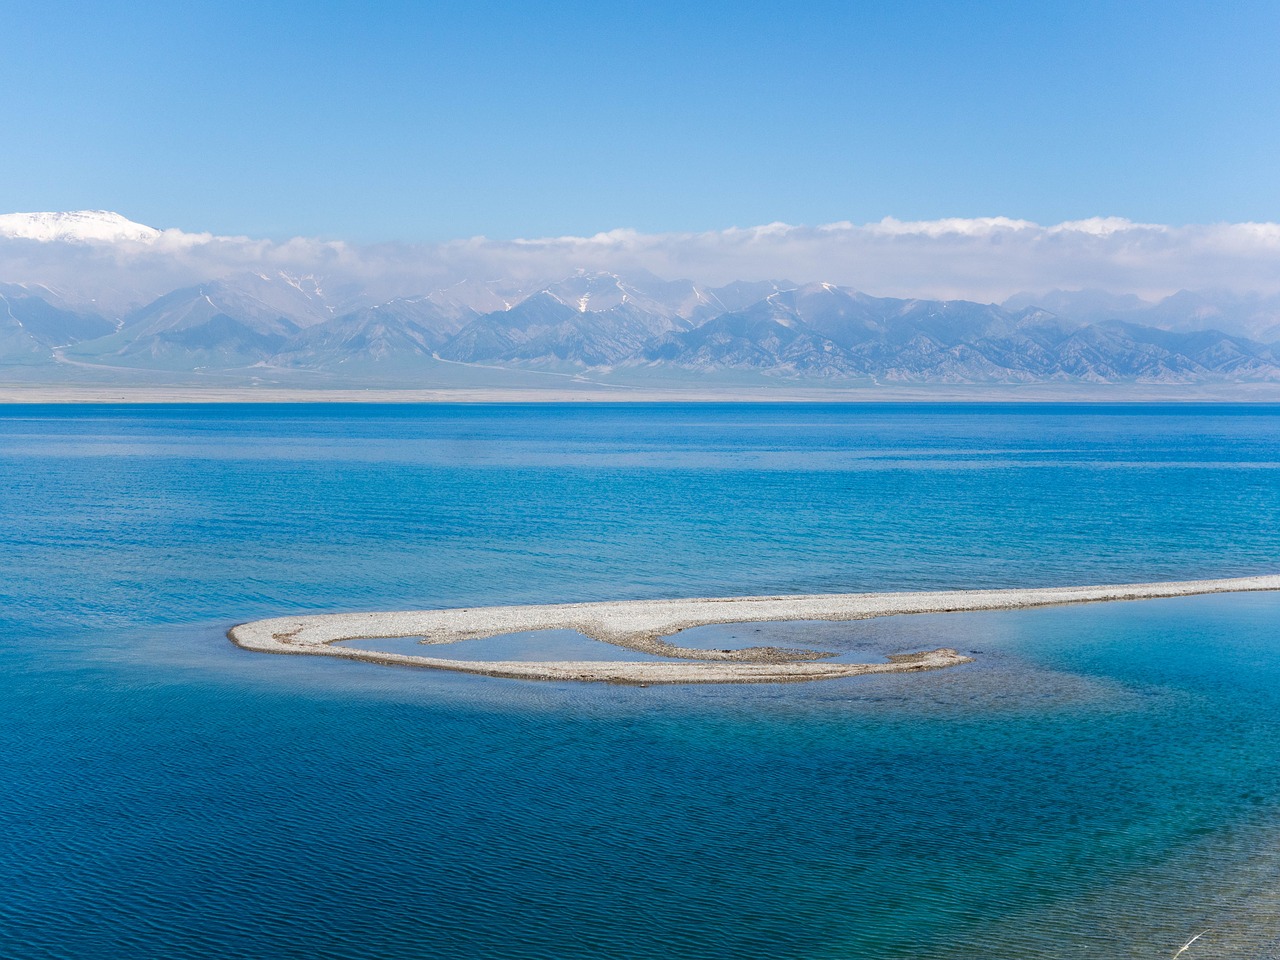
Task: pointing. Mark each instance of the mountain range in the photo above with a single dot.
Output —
(276, 327)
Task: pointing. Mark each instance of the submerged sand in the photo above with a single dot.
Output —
(643, 625)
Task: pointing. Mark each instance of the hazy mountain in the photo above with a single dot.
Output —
(33, 321)
(639, 290)
(543, 328)
(395, 332)
(224, 323)
(470, 298)
(743, 293)
(254, 324)
(1253, 316)
(823, 330)
(765, 336)
(1079, 306)
(826, 330)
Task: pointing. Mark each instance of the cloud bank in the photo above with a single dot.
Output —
(985, 259)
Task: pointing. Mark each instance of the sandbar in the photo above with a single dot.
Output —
(644, 625)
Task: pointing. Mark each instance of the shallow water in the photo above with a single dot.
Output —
(1102, 781)
(524, 645)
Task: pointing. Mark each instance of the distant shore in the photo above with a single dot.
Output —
(643, 625)
(592, 392)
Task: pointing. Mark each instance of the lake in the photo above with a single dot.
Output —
(1103, 780)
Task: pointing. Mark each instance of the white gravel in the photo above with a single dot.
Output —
(642, 625)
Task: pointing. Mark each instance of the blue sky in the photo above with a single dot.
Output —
(423, 121)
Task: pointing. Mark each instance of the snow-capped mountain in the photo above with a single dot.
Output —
(107, 301)
(606, 323)
(76, 226)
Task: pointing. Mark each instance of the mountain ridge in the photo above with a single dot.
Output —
(262, 321)
(604, 323)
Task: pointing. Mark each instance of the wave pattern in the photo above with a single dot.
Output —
(1103, 781)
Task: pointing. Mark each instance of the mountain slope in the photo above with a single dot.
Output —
(233, 322)
(243, 325)
(545, 329)
(395, 332)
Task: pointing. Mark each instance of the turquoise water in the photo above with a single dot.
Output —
(1102, 782)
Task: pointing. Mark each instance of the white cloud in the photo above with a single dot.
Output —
(950, 226)
(985, 258)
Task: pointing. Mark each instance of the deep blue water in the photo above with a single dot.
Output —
(1103, 781)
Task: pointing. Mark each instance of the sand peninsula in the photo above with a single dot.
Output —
(643, 625)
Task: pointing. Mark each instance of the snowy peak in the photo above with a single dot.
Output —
(76, 226)
(589, 291)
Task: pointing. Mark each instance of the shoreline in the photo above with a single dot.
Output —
(642, 625)
(781, 393)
